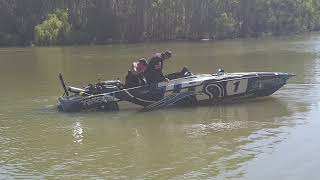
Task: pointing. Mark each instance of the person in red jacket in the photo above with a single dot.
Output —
(135, 75)
(153, 73)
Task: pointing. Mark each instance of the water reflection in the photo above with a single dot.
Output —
(200, 142)
(77, 133)
(232, 137)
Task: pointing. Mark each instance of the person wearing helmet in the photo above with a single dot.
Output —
(154, 73)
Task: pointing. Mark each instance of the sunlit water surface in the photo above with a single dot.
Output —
(276, 137)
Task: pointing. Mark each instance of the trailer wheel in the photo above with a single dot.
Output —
(188, 101)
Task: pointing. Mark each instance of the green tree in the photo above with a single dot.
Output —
(54, 29)
(104, 21)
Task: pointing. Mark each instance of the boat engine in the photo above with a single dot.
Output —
(93, 96)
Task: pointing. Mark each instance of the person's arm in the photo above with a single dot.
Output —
(164, 78)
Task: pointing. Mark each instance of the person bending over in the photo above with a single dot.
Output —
(154, 72)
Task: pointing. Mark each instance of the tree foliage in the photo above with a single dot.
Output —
(104, 21)
(54, 29)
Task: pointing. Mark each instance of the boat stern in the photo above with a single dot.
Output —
(69, 103)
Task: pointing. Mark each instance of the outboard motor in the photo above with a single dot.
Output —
(103, 87)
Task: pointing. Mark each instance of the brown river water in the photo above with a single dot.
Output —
(275, 137)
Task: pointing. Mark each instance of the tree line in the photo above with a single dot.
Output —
(52, 22)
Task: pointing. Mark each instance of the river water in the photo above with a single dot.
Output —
(268, 138)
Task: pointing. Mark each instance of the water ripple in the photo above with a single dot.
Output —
(205, 129)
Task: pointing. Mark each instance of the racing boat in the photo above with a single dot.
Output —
(182, 89)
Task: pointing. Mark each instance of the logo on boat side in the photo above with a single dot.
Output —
(214, 91)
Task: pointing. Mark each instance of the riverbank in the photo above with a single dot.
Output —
(60, 22)
(261, 37)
